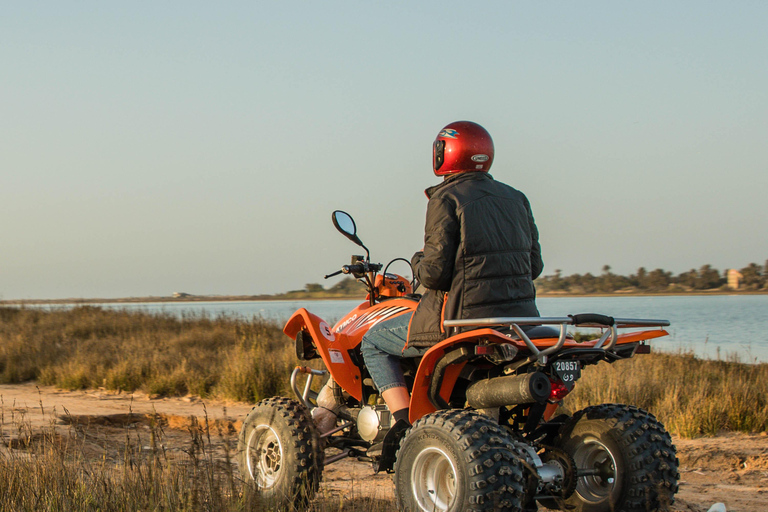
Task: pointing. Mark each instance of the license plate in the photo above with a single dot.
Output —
(568, 371)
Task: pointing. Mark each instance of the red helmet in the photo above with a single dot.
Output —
(462, 146)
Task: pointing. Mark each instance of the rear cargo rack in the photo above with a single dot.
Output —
(611, 325)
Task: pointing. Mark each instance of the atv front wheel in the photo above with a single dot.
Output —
(457, 461)
(624, 458)
(279, 451)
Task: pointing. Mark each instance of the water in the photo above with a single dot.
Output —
(718, 326)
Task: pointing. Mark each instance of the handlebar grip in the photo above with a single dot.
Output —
(592, 318)
(357, 268)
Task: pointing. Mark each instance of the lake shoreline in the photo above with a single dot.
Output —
(319, 297)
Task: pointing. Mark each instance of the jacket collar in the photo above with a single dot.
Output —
(455, 178)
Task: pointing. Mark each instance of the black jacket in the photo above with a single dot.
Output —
(481, 254)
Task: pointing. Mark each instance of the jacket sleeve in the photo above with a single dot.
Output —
(433, 265)
(537, 264)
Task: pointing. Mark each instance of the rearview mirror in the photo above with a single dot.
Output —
(346, 226)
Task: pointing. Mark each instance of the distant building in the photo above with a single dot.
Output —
(734, 276)
(181, 295)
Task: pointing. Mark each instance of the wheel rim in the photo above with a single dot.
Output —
(433, 478)
(594, 455)
(265, 456)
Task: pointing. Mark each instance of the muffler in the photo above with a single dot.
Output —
(509, 390)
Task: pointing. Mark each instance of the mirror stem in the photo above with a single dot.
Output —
(371, 289)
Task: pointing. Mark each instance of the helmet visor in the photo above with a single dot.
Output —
(438, 154)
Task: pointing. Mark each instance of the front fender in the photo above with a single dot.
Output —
(333, 349)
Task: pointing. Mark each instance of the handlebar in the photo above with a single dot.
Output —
(357, 269)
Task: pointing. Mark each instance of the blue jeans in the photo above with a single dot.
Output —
(382, 349)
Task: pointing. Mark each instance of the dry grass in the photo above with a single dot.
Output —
(691, 396)
(84, 468)
(90, 347)
(58, 470)
(76, 469)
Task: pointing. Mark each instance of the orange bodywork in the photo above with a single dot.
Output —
(335, 344)
(420, 403)
(392, 285)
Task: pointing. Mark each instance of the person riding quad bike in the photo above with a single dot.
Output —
(481, 254)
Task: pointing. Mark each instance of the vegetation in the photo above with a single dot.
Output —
(754, 278)
(691, 396)
(90, 347)
(247, 360)
(705, 279)
(56, 475)
(233, 358)
(349, 287)
(57, 470)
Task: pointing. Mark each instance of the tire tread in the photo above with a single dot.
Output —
(652, 461)
(305, 471)
(495, 475)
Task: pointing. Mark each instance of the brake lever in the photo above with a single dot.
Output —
(334, 274)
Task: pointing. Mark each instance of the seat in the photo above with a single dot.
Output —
(537, 332)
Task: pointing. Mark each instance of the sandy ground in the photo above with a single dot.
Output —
(730, 468)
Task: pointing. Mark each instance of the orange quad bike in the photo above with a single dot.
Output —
(486, 431)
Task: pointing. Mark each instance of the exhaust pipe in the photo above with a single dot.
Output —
(509, 390)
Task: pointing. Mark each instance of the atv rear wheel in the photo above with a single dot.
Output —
(629, 457)
(279, 451)
(456, 461)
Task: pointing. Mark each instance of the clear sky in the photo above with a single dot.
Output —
(153, 147)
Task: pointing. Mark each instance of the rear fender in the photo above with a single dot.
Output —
(420, 402)
(333, 349)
